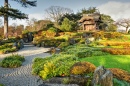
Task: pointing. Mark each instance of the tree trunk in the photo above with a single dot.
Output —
(127, 30)
(6, 21)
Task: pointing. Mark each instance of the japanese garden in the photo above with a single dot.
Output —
(70, 49)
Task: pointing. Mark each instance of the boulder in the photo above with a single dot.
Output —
(102, 77)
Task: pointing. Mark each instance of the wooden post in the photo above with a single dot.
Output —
(102, 77)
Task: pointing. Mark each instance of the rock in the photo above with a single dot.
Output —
(72, 41)
(15, 44)
(102, 77)
(21, 43)
(42, 44)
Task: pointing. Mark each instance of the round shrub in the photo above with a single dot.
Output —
(120, 74)
(12, 61)
(15, 63)
(81, 68)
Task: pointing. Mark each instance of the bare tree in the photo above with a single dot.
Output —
(124, 23)
(32, 24)
(56, 12)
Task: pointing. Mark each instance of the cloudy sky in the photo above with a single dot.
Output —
(115, 8)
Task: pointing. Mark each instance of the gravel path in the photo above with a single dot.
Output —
(22, 76)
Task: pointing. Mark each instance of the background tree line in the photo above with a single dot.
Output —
(64, 19)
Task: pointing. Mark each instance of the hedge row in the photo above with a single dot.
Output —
(124, 44)
(117, 51)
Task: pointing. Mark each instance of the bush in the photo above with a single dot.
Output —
(108, 43)
(51, 32)
(7, 45)
(113, 35)
(12, 61)
(82, 68)
(56, 65)
(83, 54)
(63, 45)
(1, 85)
(117, 51)
(120, 74)
(99, 35)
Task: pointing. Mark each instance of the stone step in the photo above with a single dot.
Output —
(27, 43)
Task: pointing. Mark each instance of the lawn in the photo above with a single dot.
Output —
(110, 61)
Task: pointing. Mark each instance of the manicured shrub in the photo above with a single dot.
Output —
(56, 65)
(7, 45)
(49, 42)
(51, 32)
(120, 74)
(37, 40)
(12, 61)
(113, 35)
(82, 68)
(38, 65)
(117, 51)
(83, 54)
(63, 44)
(98, 35)
(109, 43)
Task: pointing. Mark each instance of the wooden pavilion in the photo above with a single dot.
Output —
(90, 22)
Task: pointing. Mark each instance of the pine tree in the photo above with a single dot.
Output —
(6, 11)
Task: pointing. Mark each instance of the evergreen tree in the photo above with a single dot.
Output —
(6, 11)
(67, 25)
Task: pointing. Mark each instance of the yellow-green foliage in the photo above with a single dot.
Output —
(113, 35)
(56, 65)
(12, 61)
(99, 34)
(51, 32)
(82, 68)
(48, 70)
(63, 44)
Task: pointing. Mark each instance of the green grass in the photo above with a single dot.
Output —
(110, 61)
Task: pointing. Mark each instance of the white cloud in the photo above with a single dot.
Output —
(115, 9)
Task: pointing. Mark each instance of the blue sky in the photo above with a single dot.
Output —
(115, 8)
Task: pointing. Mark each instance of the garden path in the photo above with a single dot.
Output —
(22, 76)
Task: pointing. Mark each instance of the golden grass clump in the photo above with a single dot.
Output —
(81, 68)
(120, 74)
